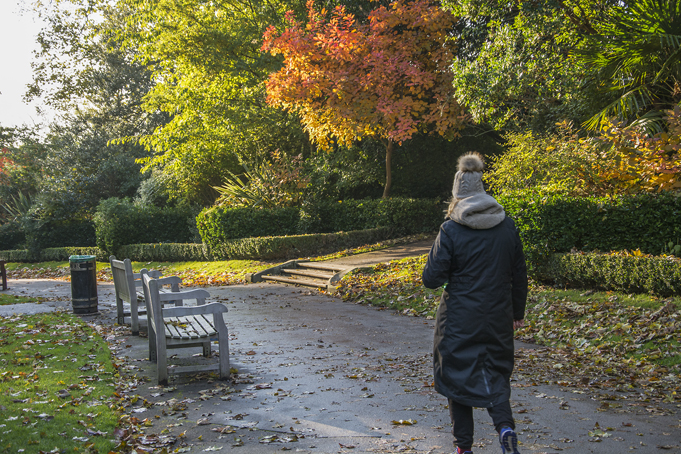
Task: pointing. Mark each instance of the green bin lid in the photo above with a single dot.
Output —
(81, 258)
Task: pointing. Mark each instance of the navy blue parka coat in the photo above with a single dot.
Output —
(486, 290)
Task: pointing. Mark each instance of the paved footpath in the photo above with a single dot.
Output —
(319, 375)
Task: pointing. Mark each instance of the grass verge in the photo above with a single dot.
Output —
(56, 384)
(6, 299)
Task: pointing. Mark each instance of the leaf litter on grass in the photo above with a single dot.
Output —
(56, 384)
(602, 342)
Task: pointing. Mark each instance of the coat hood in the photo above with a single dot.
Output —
(479, 211)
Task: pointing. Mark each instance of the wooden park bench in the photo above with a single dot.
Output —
(125, 287)
(184, 326)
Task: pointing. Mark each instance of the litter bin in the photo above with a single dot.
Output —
(84, 284)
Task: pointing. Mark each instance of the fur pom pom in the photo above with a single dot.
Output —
(471, 162)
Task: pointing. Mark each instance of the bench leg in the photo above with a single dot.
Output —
(206, 349)
(134, 316)
(162, 362)
(224, 358)
(3, 274)
(152, 343)
(223, 346)
(120, 311)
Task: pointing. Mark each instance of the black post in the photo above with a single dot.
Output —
(3, 272)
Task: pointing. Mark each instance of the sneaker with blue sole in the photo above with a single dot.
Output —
(509, 441)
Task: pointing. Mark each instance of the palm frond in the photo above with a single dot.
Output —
(19, 207)
(626, 106)
(652, 122)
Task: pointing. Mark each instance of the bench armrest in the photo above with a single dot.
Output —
(170, 280)
(184, 295)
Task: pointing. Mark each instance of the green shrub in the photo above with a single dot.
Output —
(53, 234)
(11, 236)
(57, 254)
(119, 222)
(15, 255)
(551, 223)
(261, 248)
(404, 216)
(559, 162)
(287, 247)
(217, 225)
(624, 273)
(165, 252)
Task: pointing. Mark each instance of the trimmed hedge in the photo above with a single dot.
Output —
(57, 254)
(630, 274)
(120, 222)
(15, 255)
(166, 252)
(551, 223)
(50, 234)
(403, 216)
(262, 248)
(221, 224)
(288, 247)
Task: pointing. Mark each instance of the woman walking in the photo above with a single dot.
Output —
(479, 256)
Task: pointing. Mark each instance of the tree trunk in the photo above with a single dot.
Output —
(388, 165)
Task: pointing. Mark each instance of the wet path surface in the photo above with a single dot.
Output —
(331, 375)
(316, 374)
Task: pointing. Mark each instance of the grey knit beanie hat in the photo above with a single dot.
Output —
(468, 180)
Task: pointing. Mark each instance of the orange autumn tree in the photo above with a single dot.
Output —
(387, 79)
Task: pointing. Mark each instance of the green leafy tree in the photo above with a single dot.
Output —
(209, 71)
(97, 88)
(21, 165)
(513, 67)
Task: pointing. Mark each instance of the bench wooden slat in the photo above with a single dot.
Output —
(195, 369)
(197, 326)
(191, 329)
(170, 329)
(187, 327)
(206, 325)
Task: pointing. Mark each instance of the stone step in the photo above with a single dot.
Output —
(320, 266)
(309, 273)
(288, 280)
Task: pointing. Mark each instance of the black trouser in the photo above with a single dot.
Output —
(462, 421)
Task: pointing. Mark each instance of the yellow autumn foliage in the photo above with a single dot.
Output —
(621, 159)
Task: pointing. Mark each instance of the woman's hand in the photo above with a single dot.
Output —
(517, 324)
